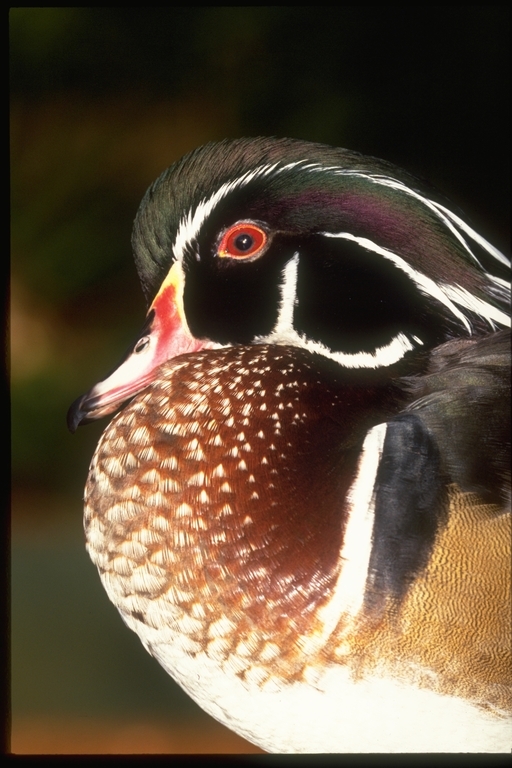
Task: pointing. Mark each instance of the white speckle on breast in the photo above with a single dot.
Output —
(133, 549)
(170, 485)
(103, 483)
(122, 565)
(148, 536)
(197, 479)
(156, 499)
(160, 523)
(148, 454)
(183, 510)
(198, 523)
(169, 462)
(113, 467)
(144, 581)
(124, 510)
(196, 455)
(140, 436)
(221, 628)
(150, 477)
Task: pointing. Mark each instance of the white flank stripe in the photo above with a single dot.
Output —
(349, 591)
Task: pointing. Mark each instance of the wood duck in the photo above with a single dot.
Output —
(303, 508)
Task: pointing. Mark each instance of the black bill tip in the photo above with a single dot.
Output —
(77, 414)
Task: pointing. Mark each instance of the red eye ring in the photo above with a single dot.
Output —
(244, 240)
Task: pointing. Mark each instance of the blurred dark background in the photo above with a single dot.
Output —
(103, 100)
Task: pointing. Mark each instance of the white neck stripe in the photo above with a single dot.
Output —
(288, 299)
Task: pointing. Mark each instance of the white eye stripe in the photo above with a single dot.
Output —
(191, 223)
(446, 294)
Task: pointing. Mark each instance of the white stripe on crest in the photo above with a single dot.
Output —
(446, 294)
(191, 223)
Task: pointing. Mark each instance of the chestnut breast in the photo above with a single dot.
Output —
(216, 510)
(225, 485)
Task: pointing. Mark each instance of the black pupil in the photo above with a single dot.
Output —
(243, 242)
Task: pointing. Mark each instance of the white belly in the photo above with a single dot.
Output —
(332, 713)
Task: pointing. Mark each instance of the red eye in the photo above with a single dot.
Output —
(242, 241)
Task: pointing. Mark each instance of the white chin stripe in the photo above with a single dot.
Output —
(285, 333)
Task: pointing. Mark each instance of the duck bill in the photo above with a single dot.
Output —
(165, 335)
